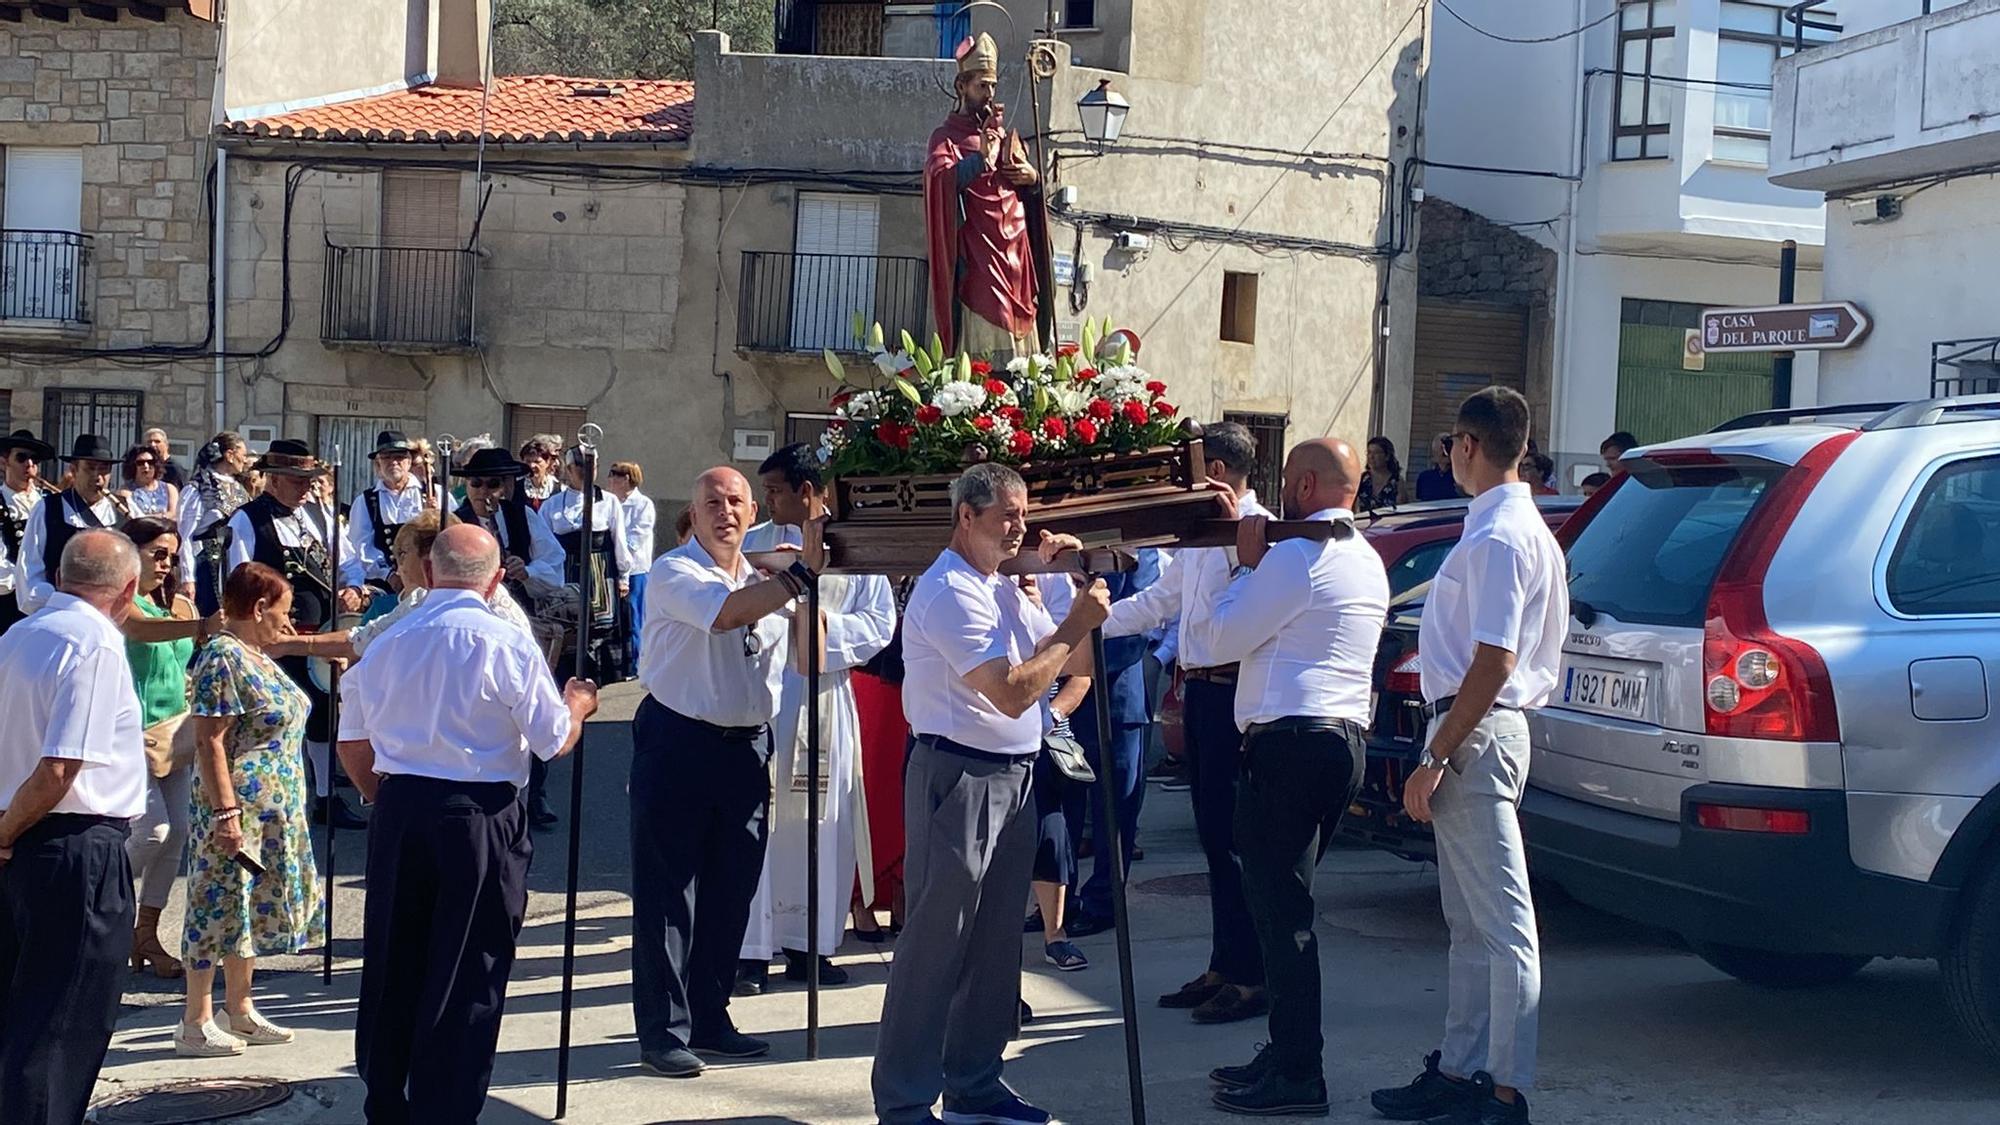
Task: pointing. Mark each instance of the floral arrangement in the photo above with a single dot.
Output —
(919, 411)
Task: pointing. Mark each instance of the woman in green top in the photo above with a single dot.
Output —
(160, 642)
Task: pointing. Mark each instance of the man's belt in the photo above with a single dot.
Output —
(1439, 707)
(727, 734)
(1217, 674)
(1303, 724)
(946, 746)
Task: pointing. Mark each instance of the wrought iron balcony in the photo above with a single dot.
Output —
(806, 302)
(42, 275)
(399, 297)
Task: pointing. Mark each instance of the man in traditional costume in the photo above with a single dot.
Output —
(20, 493)
(87, 503)
(978, 187)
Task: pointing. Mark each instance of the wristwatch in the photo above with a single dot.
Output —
(1429, 761)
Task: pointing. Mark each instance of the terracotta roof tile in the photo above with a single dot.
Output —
(523, 109)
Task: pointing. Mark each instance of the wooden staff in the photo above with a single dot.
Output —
(332, 710)
(586, 446)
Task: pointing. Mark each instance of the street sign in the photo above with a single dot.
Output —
(1784, 328)
(1693, 356)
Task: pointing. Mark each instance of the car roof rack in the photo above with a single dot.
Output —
(1762, 418)
(1930, 412)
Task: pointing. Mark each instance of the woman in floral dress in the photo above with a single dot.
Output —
(249, 797)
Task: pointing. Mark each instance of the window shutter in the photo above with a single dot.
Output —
(44, 189)
(420, 209)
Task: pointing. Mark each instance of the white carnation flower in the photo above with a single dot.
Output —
(1018, 365)
(958, 399)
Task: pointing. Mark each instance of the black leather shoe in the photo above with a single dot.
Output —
(1231, 1003)
(674, 1062)
(1274, 1095)
(730, 1044)
(1084, 925)
(1240, 1077)
(1483, 1108)
(1430, 1095)
(752, 978)
(797, 968)
(1194, 993)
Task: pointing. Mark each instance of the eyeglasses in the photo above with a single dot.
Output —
(487, 483)
(159, 554)
(24, 458)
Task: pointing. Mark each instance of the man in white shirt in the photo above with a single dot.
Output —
(1304, 622)
(396, 498)
(72, 775)
(1492, 637)
(624, 482)
(86, 503)
(700, 786)
(979, 658)
(1232, 987)
(20, 493)
(438, 723)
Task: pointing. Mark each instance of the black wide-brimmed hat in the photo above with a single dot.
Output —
(90, 447)
(26, 439)
(289, 457)
(392, 441)
(491, 462)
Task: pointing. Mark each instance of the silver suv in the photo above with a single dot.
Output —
(1776, 729)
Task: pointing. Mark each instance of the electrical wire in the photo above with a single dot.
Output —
(1453, 13)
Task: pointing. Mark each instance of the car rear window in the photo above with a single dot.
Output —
(1651, 553)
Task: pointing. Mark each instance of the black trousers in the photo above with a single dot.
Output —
(1296, 783)
(700, 804)
(65, 930)
(447, 889)
(1213, 755)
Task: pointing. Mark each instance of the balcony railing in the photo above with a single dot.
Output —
(806, 302)
(42, 275)
(399, 297)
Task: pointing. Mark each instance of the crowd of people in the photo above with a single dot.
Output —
(166, 667)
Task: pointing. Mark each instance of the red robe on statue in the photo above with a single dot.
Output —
(973, 216)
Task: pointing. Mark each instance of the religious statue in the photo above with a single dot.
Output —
(980, 192)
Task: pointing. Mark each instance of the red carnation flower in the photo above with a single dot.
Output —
(1163, 407)
(1156, 388)
(983, 422)
(1086, 431)
(840, 400)
(995, 387)
(1085, 374)
(836, 424)
(929, 414)
(1101, 409)
(1022, 443)
(1135, 412)
(1055, 428)
(894, 434)
(1014, 414)
(981, 368)
(1066, 349)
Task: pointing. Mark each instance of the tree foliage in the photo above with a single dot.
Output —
(619, 38)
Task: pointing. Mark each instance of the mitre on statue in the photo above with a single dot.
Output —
(979, 56)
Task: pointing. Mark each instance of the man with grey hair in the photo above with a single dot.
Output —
(438, 723)
(72, 775)
(155, 439)
(979, 656)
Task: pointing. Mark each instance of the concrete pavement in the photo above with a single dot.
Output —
(1635, 1030)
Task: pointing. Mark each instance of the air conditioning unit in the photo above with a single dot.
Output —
(259, 438)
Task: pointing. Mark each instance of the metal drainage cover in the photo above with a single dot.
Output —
(182, 1103)
(1188, 886)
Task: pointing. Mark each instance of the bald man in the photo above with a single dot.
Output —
(1303, 617)
(439, 721)
(711, 657)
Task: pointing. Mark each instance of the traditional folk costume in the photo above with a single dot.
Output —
(59, 519)
(211, 498)
(613, 561)
(16, 509)
(376, 516)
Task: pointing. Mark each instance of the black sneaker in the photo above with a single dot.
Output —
(730, 1044)
(797, 968)
(674, 1062)
(1240, 1077)
(1007, 1109)
(1431, 1094)
(1483, 1108)
(1274, 1095)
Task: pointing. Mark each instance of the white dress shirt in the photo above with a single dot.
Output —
(1189, 584)
(543, 554)
(454, 692)
(564, 511)
(66, 690)
(503, 603)
(957, 620)
(727, 677)
(20, 506)
(1304, 625)
(639, 517)
(34, 584)
(1504, 584)
(361, 563)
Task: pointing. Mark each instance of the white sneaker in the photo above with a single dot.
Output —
(258, 1031)
(205, 1042)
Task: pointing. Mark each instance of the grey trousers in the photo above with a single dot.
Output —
(955, 986)
(1495, 982)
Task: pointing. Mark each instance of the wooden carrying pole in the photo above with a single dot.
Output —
(332, 715)
(586, 445)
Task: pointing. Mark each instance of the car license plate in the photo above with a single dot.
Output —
(1604, 691)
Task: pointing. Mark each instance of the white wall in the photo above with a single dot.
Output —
(1924, 277)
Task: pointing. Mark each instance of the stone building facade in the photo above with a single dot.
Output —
(105, 147)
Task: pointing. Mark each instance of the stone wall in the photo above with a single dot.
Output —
(1466, 255)
(135, 96)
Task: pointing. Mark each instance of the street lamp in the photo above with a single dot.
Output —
(1103, 111)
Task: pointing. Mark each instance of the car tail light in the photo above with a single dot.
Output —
(1757, 683)
(1736, 818)
(1406, 677)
